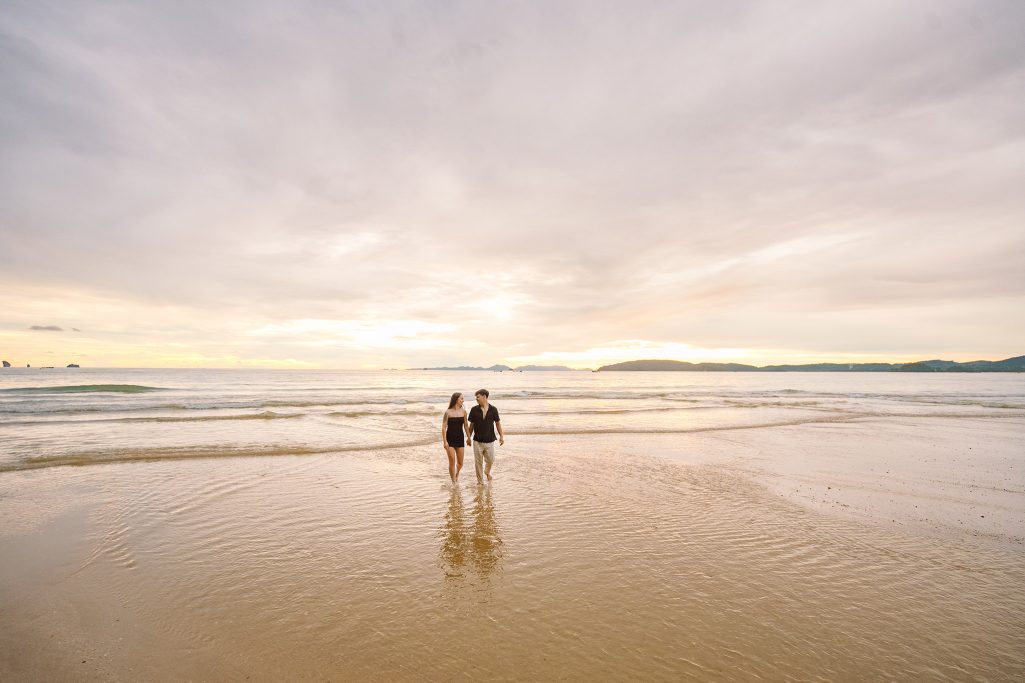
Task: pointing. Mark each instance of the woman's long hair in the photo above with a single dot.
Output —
(452, 401)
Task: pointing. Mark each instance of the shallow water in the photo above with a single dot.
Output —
(78, 416)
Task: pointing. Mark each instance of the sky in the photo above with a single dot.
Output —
(391, 185)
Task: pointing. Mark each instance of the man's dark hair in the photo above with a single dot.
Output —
(482, 392)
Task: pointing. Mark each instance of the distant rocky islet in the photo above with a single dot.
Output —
(7, 364)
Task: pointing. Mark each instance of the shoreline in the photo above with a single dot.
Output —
(876, 469)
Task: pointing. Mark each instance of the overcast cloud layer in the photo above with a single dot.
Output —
(392, 185)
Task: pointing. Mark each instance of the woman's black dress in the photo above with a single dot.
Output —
(454, 432)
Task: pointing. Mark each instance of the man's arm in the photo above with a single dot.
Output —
(501, 434)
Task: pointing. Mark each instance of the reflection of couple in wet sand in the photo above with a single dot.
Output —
(479, 545)
(479, 427)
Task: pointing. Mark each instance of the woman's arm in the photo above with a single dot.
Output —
(444, 426)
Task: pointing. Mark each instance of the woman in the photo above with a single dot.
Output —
(453, 428)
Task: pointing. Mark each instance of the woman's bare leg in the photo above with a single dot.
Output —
(452, 471)
(459, 462)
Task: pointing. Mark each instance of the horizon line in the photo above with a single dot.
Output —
(456, 368)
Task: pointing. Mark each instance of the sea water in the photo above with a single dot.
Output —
(80, 416)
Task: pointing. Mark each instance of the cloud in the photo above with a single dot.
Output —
(533, 177)
(47, 328)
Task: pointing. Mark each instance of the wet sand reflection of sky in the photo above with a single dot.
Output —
(470, 544)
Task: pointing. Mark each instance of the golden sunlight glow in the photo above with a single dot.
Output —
(55, 327)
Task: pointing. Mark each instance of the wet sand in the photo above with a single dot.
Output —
(716, 556)
(958, 479)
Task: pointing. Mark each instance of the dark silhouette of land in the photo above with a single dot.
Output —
(1016, 364)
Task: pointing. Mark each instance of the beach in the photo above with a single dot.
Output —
(657, 526)
(743, 281)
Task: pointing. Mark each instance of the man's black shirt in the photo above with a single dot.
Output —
(483, 425)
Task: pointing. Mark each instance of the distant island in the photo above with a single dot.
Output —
(1016, 364)
(506, 368)
(45, 367)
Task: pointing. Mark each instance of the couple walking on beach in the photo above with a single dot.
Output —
(479, 426)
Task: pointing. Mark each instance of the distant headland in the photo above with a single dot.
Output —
(1016, 364)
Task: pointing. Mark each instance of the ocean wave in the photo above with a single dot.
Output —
(679, 395)
(124, 455)
(960, 401)
(85, 389)
(384, 413)
(684, 430)
(608, 411)
(17, 409)
(48, 408)
(327, 403)
(581, 394)
(267, 415)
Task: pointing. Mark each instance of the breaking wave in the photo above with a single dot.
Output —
(86, 389)
(122, 455)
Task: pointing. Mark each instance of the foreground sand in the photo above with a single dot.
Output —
(855, 551)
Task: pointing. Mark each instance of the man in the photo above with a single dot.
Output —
(483, 420)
